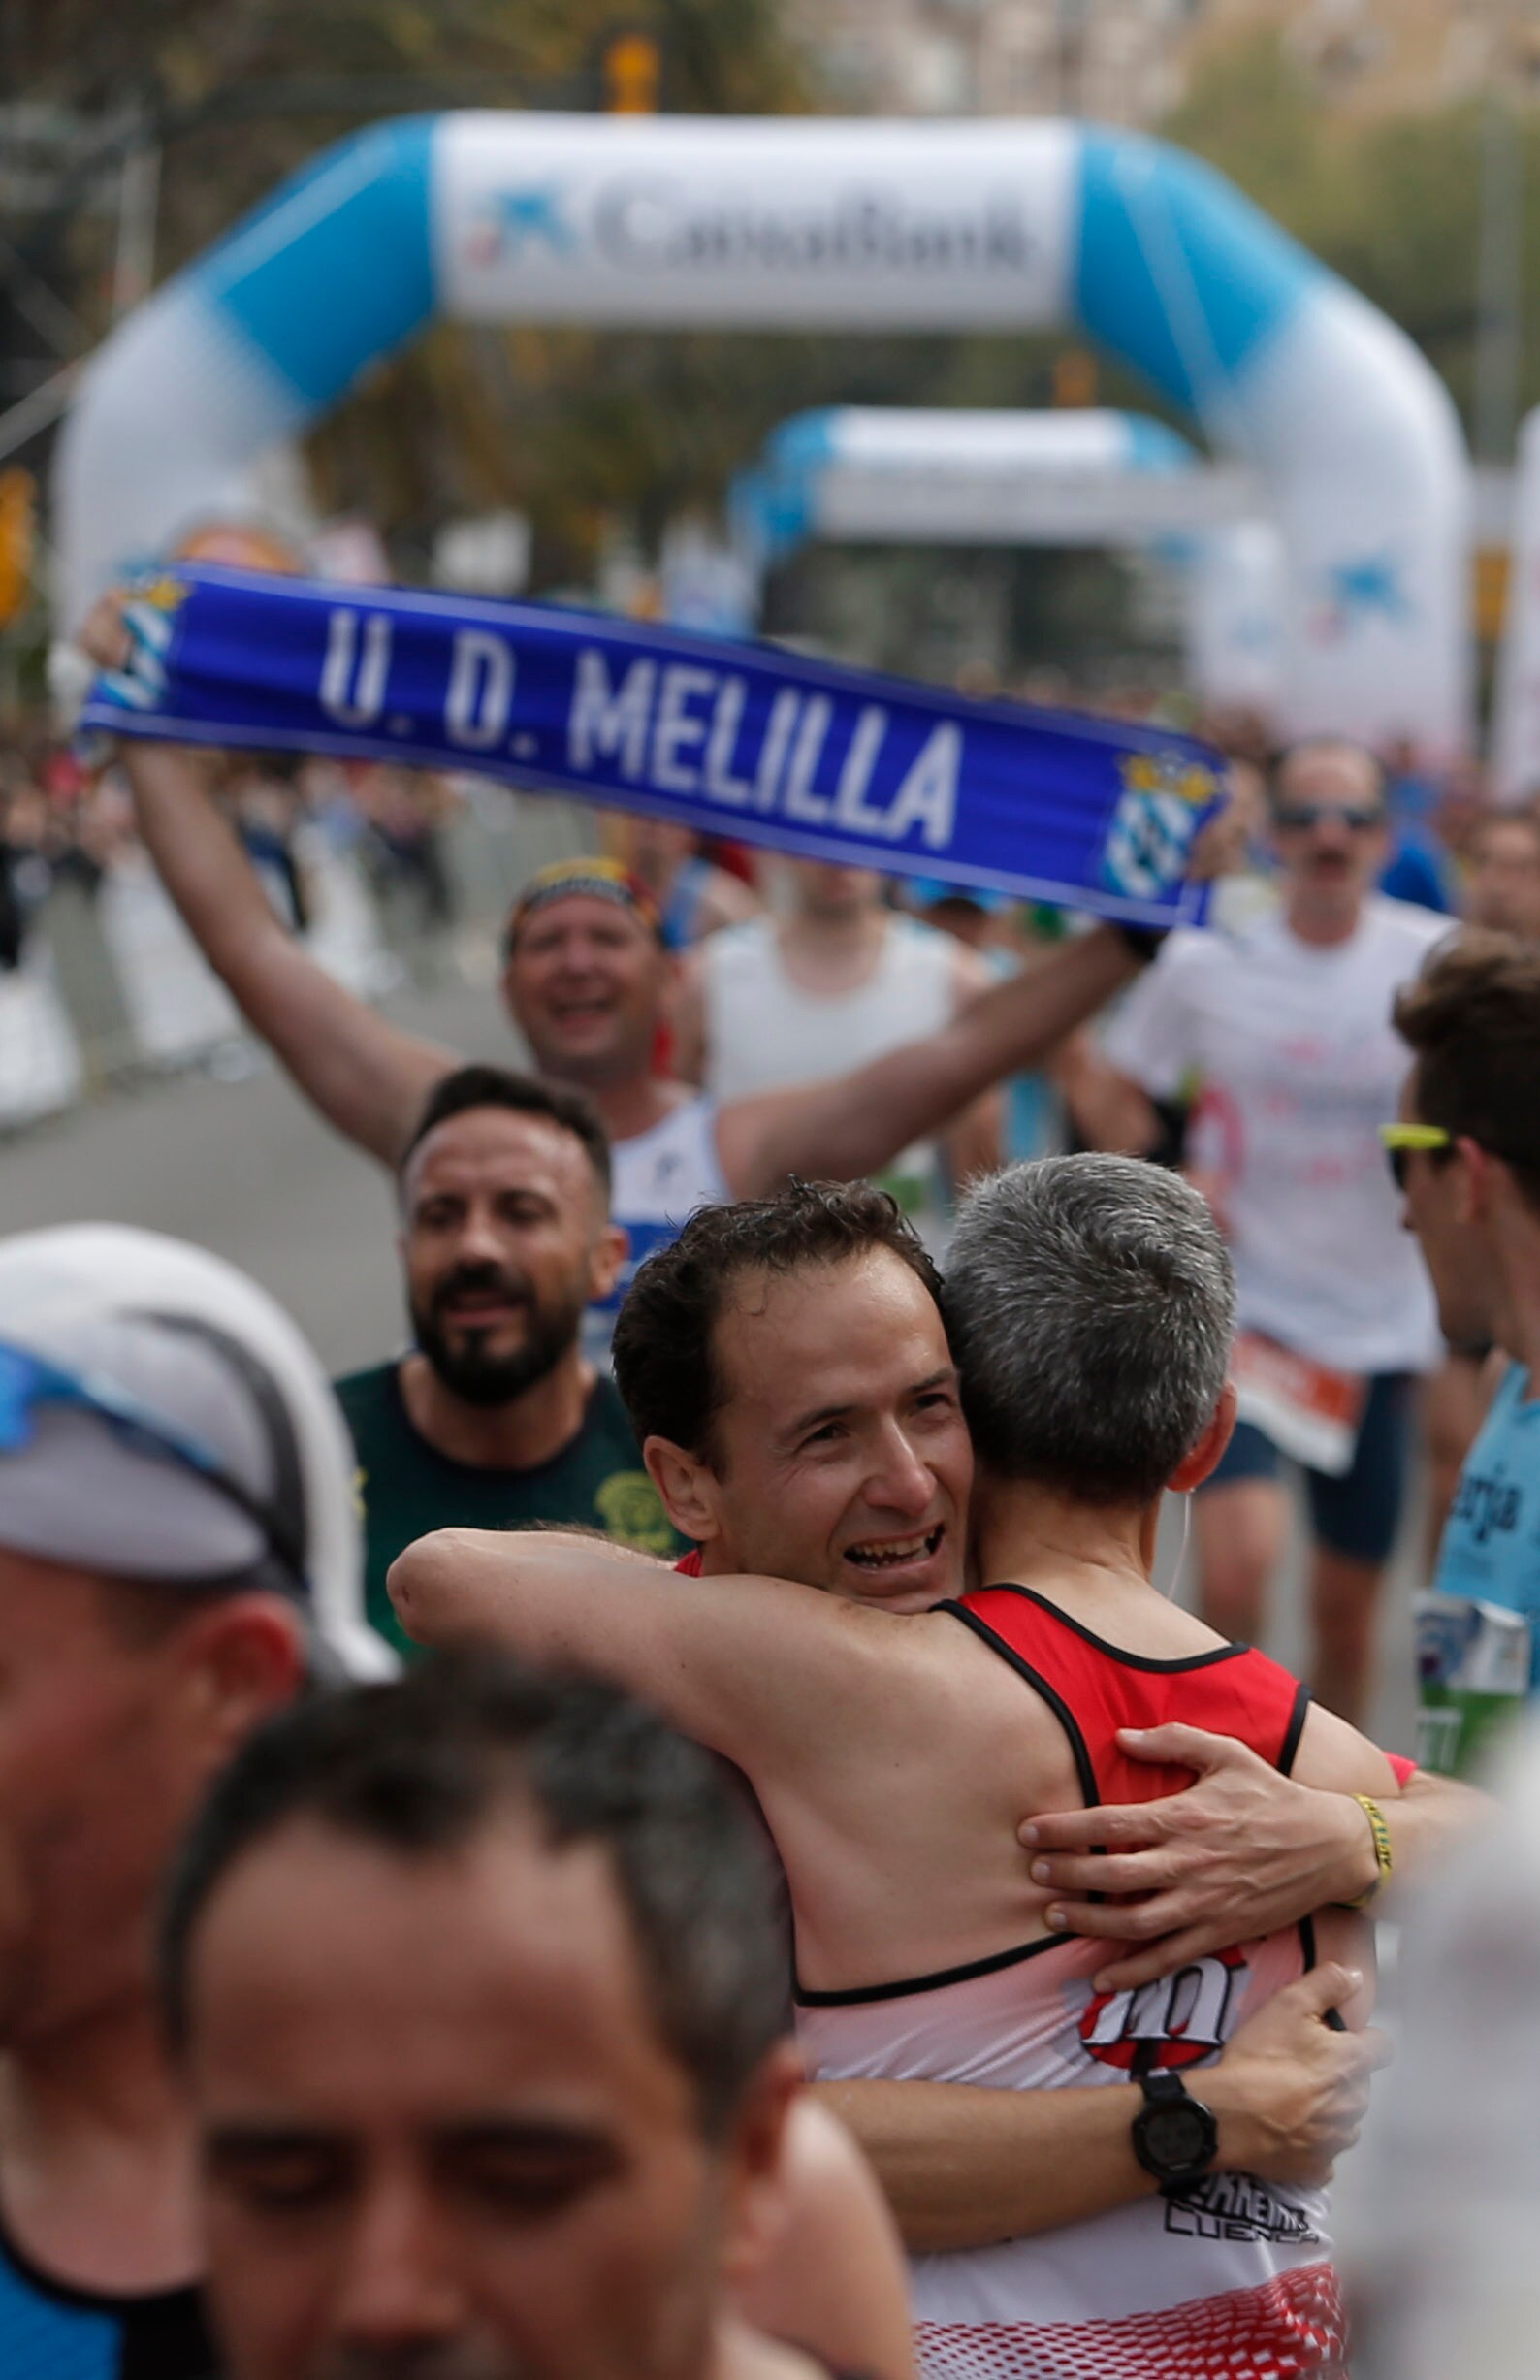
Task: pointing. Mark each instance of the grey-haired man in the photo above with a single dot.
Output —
(788, 1370)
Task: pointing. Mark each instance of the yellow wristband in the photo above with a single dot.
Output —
(1384, 1856)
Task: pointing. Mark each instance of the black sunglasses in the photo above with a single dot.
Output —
(1299, 817)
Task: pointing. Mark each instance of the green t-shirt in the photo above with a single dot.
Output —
(406, 1487)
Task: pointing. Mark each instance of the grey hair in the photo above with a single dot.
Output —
(1091, 1304)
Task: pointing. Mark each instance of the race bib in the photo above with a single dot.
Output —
(1473, 1667)
(1309, 1410)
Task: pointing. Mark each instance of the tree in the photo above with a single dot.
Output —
(1393, 205)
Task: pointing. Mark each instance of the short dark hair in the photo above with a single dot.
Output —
(665, 1365)
(1472, 1017)
(500, 1086)
(1092, 1303)
(420, 1766)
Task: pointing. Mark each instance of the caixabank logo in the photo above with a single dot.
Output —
(1172, 2023)
(650, 223)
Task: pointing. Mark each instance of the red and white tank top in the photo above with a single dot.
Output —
(1228, 2279)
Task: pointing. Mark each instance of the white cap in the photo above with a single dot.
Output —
(183, 1337)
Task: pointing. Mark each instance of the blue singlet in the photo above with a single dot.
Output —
(1490, 1549)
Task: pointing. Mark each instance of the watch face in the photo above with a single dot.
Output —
(1176, 2136)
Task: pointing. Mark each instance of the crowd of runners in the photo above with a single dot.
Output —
(673, 1828)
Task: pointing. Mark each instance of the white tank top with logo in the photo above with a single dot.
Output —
(659, 1178)
(765, 1033)
(1229, 2279)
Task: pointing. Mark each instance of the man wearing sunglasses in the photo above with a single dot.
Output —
(178, 1545)
(1281, 1031)
(1465, 1155)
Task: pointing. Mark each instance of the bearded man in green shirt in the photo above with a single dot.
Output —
(493, 1419)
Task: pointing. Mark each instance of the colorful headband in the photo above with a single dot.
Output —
(601, 880)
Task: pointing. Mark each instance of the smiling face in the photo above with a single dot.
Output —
(505, 1240)
(440, 2133)
(586, 982)
(839, 1455)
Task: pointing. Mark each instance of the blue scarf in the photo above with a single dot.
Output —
(733, 739)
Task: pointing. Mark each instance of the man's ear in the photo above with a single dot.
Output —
(237, 1662)
(753, 2183)
(607, 1257)
(1195, 1468)
(687, 1487)
(1474, 1177)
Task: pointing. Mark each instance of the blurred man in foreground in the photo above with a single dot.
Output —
(178, 1548)
(482, 1999)
(179, 1551)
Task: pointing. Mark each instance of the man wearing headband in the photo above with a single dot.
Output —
(587, 982)
(178, 1548)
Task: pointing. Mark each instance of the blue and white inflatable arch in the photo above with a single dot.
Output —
(911, 475)
(678, 222)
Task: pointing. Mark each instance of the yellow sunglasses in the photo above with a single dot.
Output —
(1398, 1140)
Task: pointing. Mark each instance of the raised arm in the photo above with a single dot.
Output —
(367, 1077)
(1239, 1853)
(859, 1121)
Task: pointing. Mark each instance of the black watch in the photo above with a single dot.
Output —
(1176, 2136)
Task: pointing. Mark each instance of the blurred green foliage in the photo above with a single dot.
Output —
(1393, 205)
(588, 430)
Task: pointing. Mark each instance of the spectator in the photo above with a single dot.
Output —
(494, 1418)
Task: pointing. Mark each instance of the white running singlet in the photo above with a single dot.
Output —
(660, 1176)
(1228, 2280)
(1294, 1062)
(765, 1033)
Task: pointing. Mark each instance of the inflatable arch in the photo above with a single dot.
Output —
(1516, 700)
(759, 223)
(901, 475)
